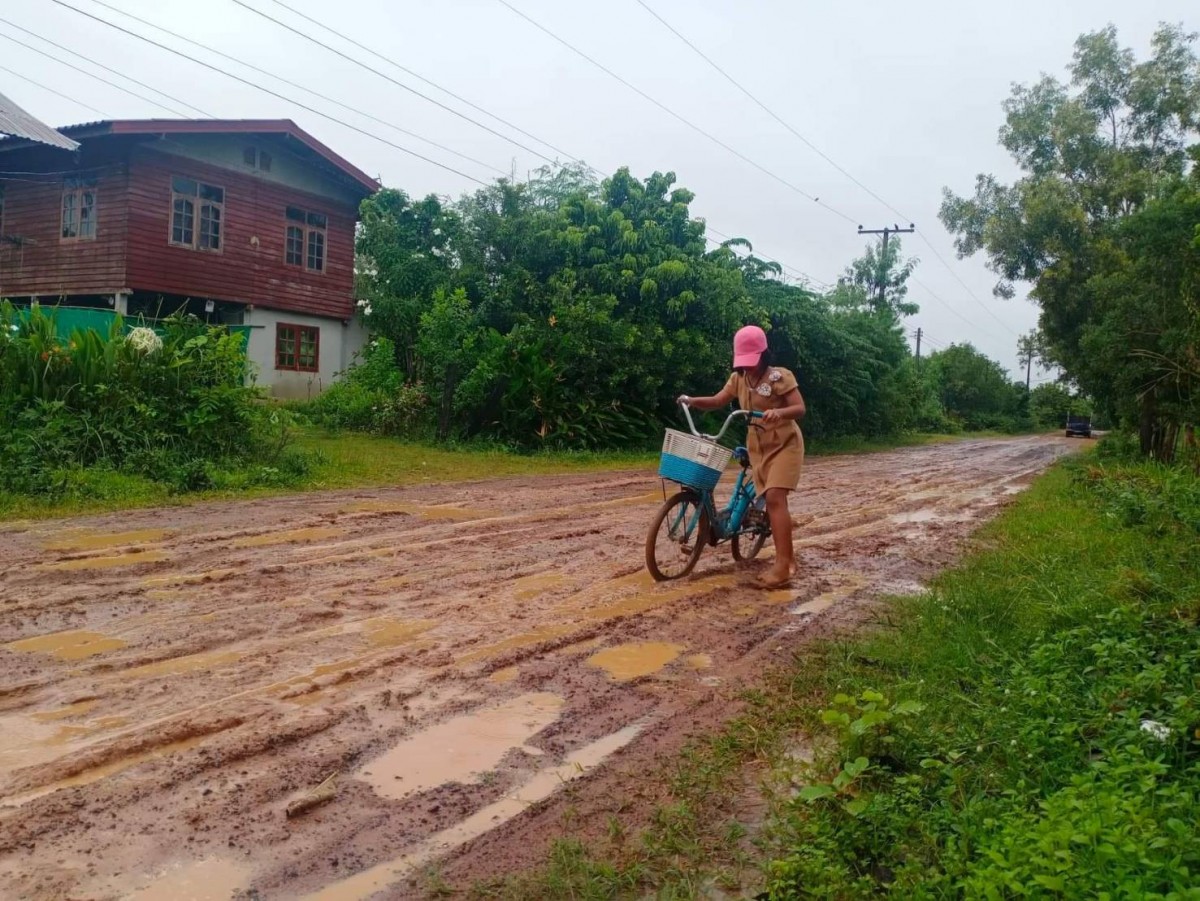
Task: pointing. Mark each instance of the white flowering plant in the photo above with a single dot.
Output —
(144, 340)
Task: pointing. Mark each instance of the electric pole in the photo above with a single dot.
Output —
(886, 232)
(1028, 371)
(918, 347)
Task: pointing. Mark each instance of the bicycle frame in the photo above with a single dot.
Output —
(728, 522)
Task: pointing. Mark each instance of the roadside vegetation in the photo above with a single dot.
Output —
(1028, 727)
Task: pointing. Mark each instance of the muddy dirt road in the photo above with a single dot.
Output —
(171, 679)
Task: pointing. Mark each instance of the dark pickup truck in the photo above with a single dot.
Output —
(1079, 425)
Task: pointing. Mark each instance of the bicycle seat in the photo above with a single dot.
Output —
(742, 456)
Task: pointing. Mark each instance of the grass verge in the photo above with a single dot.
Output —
(1027, 728)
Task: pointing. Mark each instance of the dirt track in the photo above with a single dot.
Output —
(171, 679)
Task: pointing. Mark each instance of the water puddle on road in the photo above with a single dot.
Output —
(96, 773)
(385, 632)
(174, 666)
(290, 536)
(927, 514)
(517, 642)
(698, 661)
(82, 563)
(530, 587)
(461, 749)
(212, 879)
(647, 595)
(852, 582)
(627, 662)
(436, 511)
(87, 540)
(504, 676)
(62, 713)
(543, 784)
(76, 644)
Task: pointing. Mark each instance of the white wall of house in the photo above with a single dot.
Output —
(338, 344)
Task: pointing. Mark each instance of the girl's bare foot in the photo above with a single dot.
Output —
(774, 578)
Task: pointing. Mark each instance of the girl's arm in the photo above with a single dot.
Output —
(722, 398)
(793, 408)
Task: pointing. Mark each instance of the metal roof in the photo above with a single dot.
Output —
(18, 123)
(277, 127)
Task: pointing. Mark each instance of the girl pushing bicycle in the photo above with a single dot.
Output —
(776, 446)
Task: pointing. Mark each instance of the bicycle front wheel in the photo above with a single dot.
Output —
(677, 537)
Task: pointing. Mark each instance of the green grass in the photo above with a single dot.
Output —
(984, 741)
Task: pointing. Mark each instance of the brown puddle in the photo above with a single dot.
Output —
(825, 600)
(84, 540)
(437, 511)
(541, 786)
(174, 666)
(529, 587)
(504, 676)
(385, 632)
(95, 774)
(104, 562)
(289, 536)
(524, 640)
(652, 595)
(211, 879)
(698, 661)
(72, 645)
(626, 662)
(460, 749)
(62, 713)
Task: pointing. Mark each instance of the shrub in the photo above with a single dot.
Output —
(166, 403)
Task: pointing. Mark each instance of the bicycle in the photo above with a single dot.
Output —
(689, 519)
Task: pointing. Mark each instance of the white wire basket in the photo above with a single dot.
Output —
(692, 461)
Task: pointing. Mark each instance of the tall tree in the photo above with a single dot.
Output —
(1106, 161)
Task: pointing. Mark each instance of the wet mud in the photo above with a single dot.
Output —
(171, 679)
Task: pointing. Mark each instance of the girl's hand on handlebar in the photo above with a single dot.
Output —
(771, 416)
(683, 400)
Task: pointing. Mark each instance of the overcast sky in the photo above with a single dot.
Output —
(904, 96)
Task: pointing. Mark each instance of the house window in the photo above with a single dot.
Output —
(197, 214)
(304, 243)
(297, 347)
(79, 209)
(257, 159)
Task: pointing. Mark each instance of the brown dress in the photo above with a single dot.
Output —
(776, 449)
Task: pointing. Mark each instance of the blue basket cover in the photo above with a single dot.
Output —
(688, 472)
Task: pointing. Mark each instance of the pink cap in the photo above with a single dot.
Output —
(748, 346)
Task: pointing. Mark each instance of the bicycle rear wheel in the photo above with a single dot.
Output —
(746, 545)
(676, 537)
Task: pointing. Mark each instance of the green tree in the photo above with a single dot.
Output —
(1099, 224)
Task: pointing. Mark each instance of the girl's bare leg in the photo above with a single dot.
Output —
(781, 532)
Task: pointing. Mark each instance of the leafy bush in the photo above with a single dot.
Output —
(1064, 765)
(167, 404)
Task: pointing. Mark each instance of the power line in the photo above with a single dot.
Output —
(38, 84)
(276, 94)
(427, 81)
(100, 65)
(92, 75)
(297, 86)
(817, 151)
(444, 90)
(666, 109)
(770, 112)
(394, 81)
(965, 286)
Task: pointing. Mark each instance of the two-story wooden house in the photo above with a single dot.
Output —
(243, 222)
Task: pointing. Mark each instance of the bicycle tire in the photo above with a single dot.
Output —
(756, 540)
(690, 545)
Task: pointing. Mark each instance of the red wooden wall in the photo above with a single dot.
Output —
(35, 259)
(243, 270)
(132, 251)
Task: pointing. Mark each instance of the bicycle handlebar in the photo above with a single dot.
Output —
(736, 414)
